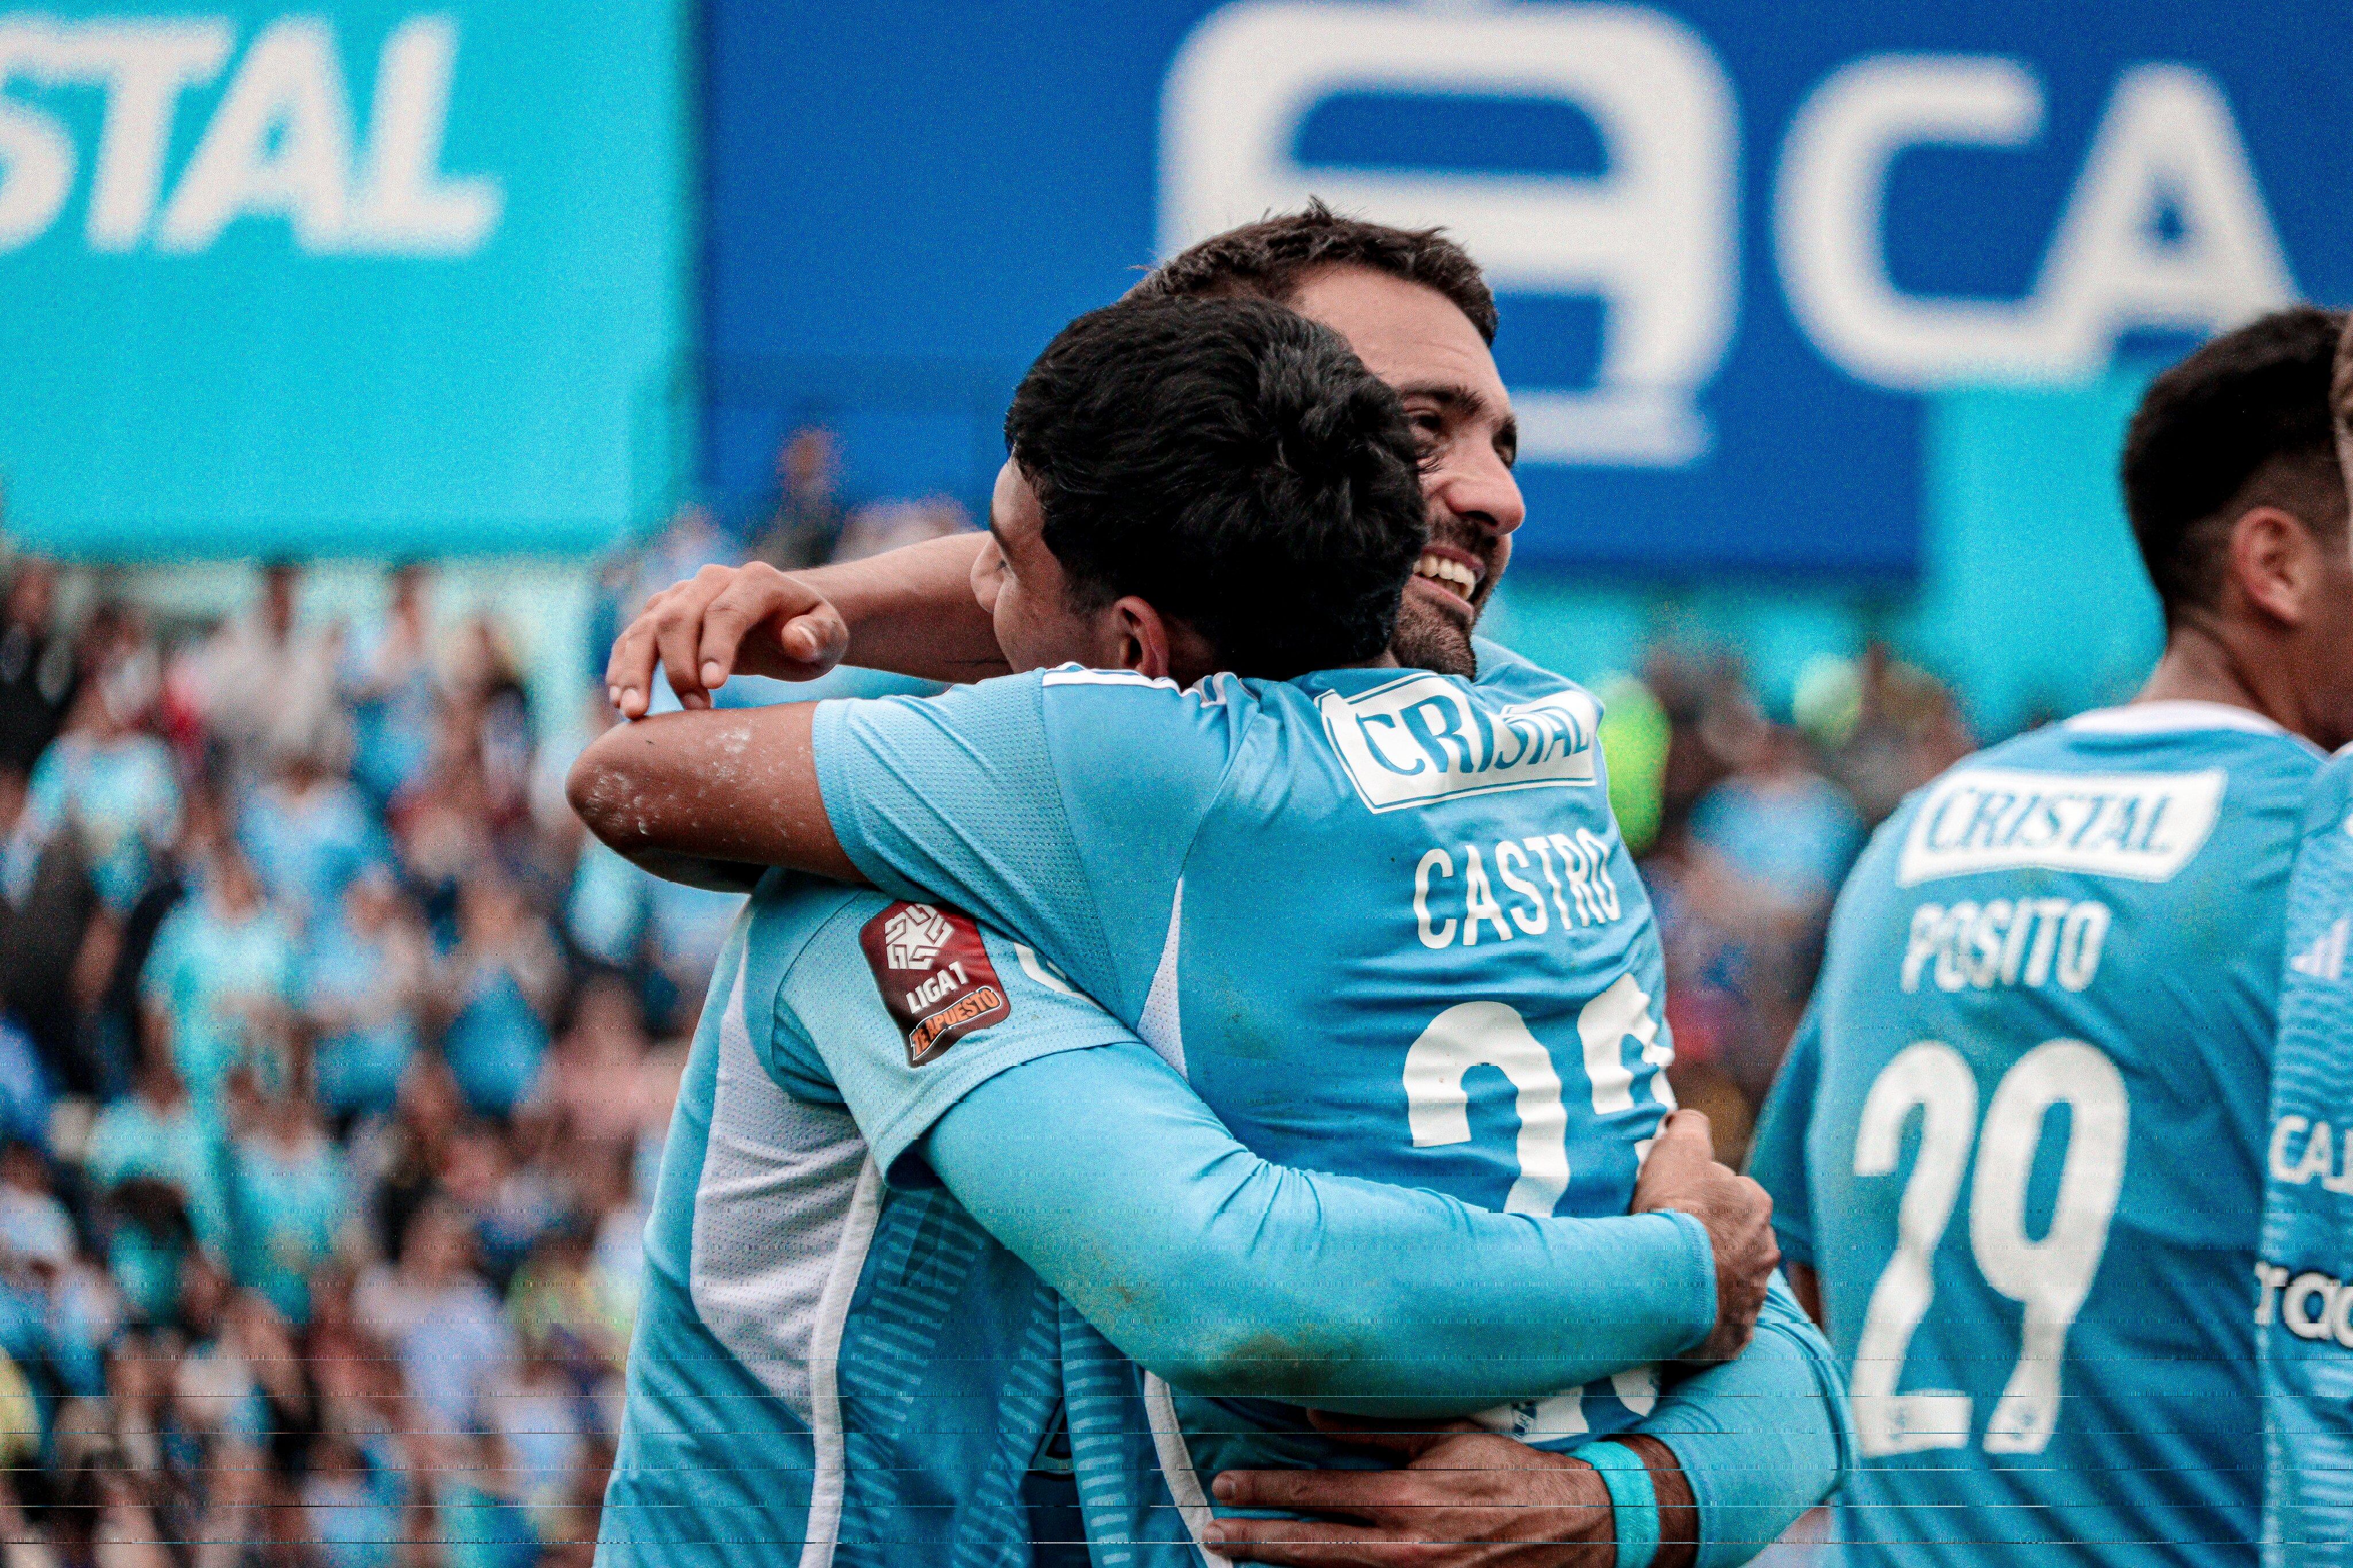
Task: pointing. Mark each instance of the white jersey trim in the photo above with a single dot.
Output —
(778, 1184)
(1176, 1466)
(1161, 1026)
(1079, 675)
(2182, 716)
(828, 1482)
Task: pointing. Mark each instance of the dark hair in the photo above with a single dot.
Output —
(2243, 421)
(1233, 463)
(1271, 258)
(2340, 392)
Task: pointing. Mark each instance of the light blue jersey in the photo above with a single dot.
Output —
(217, 979)
(822, 1356)
(2019, 1137)
(124, 797)
(2304, 1298)
(1381, 920)
(308, 848)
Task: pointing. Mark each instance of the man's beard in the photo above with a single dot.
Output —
(1428, 638)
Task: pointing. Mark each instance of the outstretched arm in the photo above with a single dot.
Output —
(911, 611)
(1228, 1274)
(731, 786)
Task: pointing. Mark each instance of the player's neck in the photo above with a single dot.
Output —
(2198, 666)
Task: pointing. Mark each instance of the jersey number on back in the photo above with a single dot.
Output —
(2050, 1277)
(1491, 1034)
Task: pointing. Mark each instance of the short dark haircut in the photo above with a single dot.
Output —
(1234, 464)
(1271, 259)
(2242, 423)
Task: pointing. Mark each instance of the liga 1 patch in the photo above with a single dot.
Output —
(934, 971)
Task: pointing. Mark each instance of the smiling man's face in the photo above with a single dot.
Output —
(1421, 343)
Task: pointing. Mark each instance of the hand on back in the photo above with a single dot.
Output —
(1682, 1174)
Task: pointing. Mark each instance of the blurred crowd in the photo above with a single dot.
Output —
(333, 1073)
(1745, 827)
(335, 1063)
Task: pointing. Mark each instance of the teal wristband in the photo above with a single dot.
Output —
(1632, 1500)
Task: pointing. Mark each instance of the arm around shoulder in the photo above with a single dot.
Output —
(729, 784)
(911, 611)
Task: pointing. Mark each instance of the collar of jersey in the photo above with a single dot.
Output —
(2181, 715)
(1357, 680)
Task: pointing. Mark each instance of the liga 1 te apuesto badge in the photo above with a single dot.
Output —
(935, 974)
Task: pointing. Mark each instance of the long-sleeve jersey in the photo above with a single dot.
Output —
(2303, 1295)
(838, 1361)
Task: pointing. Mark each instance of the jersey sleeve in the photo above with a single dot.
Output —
(2307, 1228)
(910, 1008)
(1751, 1476)
(1776, 1159)
(1056, 804)
(1107, 1173)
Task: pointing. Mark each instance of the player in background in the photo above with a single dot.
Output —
(807, 1042)
(1142, 829)
(2017, 1144)
(2306, 1251)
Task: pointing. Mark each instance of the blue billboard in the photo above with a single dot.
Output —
(364, 275)
(1741, 252)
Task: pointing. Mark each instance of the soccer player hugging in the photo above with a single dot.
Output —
(1378, 919)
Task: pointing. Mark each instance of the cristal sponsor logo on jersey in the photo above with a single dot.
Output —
(935, 974)
(2142, 825)
(1426, 738)
(2308, 1304)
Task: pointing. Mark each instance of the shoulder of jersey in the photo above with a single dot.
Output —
(2218, 727)
(1213, 690)
(2330, 802)
(1516, 680)
(796, 896)
(1506, 674)
(2156, 737)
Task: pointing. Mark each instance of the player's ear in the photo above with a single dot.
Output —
(2275, 561)
(1160, 646)
(1139, 635)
